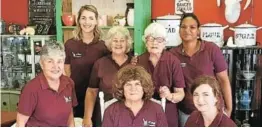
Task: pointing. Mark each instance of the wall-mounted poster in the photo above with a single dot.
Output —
(185, 5)
(42, 15)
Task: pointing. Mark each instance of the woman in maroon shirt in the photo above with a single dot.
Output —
(165, 70)
(206, 97)
(82, 51)
(199, 58)
(119, 42)
(133, 87)
(49, 98)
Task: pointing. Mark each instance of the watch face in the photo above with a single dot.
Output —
(232, 12)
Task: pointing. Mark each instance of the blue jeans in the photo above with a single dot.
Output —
(182, 118)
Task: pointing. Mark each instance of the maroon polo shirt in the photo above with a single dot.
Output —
(81, 57)
(221, 120)
(209, 60)
(103, 74)
(102, 77)
(44, 106)
(150, 115)
(166, 73)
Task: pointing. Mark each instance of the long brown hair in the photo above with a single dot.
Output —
(78, 31)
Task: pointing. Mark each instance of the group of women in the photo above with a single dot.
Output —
(192, 77)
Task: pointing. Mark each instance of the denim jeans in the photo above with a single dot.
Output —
(182, 118)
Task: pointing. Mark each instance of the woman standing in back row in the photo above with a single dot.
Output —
(199, 58)
(82, 51)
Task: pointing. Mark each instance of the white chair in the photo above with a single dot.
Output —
(104, 105)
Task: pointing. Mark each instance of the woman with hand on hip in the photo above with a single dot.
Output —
(82, 51)
(199, 58)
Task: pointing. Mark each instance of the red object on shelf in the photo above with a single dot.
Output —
(68, 19)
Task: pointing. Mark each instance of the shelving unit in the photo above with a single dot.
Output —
(19, 64)
(142, 18)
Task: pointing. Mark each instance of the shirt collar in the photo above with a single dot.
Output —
(44, 84)
(163, 57)
(182, 51)
(215, 122)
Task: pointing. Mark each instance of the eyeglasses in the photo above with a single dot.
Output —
(157, 39)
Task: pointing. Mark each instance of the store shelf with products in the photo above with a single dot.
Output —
(19, 64)
(142, 17)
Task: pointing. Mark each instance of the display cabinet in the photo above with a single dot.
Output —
(142, 17)
(245, 73)
(19, 64)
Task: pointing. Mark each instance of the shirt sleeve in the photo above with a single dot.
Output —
(74, 99)
(67, 52)
(218, 60)
(107, 119)
(178, 77)
(94, 78)
(27, 101)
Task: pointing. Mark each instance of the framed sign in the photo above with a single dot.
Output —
(185, 5)
(42, 15)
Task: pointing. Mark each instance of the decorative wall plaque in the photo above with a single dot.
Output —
(185, 5)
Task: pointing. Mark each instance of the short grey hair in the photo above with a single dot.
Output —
(52, 48)
(118, 30)
(155, 30)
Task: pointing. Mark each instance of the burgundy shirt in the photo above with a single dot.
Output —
(221, 120)
(166, 73)
(209, 60)
(150, 115)
(44, 106)
(81, 57)
(103, 74)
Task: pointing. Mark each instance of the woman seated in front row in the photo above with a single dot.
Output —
(49, 98)
(206, 94)
(134, 88)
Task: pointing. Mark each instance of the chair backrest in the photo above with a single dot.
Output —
(162, 102)
(103, 104)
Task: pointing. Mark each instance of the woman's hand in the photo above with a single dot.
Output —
(165, 92)
(87, 122)
(134, 60)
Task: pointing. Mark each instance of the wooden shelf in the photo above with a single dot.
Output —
(102, 27)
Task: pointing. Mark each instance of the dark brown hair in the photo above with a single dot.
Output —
(213, 83)
(192, 15)
(133, 72)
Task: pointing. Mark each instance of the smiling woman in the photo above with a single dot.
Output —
(207, 97)
(119, 42)
(133, 87)
(51, 86)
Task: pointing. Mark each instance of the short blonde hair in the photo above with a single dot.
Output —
(133, 72)
(77, 33)
(118, 30)
(155, 30)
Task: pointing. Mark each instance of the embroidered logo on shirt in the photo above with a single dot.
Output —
(183, 65)
(76, 55)
(148, 123)
(68, 99)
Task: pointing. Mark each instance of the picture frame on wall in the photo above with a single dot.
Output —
(185, 5)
